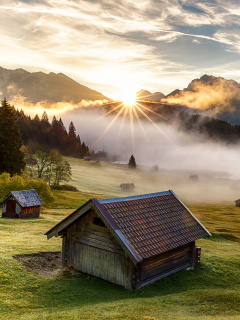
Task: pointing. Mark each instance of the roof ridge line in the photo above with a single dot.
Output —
(136, 197)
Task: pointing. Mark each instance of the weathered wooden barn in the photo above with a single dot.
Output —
(21, 204)
(131, 241)
(127, 187)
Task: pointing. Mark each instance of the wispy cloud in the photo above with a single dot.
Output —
(109, 44)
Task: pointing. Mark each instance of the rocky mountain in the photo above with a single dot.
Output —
(147, 95)
(39, 86)
(209, 96)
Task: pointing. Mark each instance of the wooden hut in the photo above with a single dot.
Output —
(131, 241)
(127, 187)
(21, 204)
(193, 177)
(237, 202)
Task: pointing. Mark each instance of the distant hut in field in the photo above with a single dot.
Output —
(237, 203)
(193, 177)
(21, 204)
(127, 187)
(131, 241)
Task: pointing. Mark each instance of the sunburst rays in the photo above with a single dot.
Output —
(135, 112)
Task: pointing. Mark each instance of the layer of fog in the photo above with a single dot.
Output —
(57, 108)
(168, 149)
(218, 94)
(167, 159)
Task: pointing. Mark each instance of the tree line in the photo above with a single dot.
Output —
(40, 132)
(210, 128)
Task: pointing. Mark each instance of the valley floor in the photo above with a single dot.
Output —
(211, 291)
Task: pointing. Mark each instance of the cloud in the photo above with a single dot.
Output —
(59, 108)
(105, 43)
(218, 96)
(196, 41)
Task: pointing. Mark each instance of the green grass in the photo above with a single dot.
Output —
(105, 179)
(211, 291)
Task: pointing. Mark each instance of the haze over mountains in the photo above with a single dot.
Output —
(147, 95)
(39, 86)
(209, 96)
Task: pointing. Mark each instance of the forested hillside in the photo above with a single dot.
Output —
(199, 125)
(38, 132)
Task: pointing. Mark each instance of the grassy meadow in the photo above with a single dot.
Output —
(211, 291)
(105, 179)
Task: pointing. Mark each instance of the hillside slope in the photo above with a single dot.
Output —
(39, 86)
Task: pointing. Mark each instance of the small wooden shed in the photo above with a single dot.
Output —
(21, 204)
(131, 241)
(127, 187)
(237, 202)
(193, 177)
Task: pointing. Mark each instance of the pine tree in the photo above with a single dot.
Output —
(132, 163)
(12, 158)
(72, 132)
(72, 140)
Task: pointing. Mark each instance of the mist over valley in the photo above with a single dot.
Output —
(172, 137)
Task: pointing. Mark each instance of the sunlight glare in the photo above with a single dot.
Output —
(128, 97)
(129, 100)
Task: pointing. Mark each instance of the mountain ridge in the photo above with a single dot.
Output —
(210, 96)
(39, 86)
(147, 95)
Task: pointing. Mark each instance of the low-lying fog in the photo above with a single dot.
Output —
(168, 149)
(174, 155)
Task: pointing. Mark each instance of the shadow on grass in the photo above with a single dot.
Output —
(223, 235)
(80, 290)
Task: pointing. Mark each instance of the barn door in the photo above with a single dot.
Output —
(11, 209)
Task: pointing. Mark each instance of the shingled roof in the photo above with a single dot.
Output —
(26, 198)
(146, 225)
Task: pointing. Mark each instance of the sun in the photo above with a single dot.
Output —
(128, 106)
(128, 99)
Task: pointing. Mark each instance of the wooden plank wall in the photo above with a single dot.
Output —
(92, 249)
(30, 212)
(167, 263)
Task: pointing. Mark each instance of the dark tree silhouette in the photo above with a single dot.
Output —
(40, 132)
(12, 158)
(132, 163)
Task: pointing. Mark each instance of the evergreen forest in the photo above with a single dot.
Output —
(38, 133)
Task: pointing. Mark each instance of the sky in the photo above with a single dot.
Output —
(120, 46)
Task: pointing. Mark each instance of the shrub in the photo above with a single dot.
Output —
(66, 187)
(22, 182)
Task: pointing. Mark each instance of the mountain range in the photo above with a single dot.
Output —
(147, 95)
(208, 96)
(39, 86)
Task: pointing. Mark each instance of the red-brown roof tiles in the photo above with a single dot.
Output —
(154, 224)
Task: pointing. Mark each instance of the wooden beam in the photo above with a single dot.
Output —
(69, 220)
